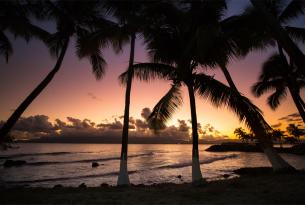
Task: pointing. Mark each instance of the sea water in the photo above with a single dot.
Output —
(71, 164)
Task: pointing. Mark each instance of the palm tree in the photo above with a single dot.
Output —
(71, 19)
(273, 19)
(278, 135)
(278, 76)
(130, 19)
(243, 135)
(176, 56)
(295, 131)
(15, 20)
(217, 44)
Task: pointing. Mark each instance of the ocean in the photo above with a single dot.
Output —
(71, 164)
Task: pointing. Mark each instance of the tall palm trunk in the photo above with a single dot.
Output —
(123, 178)
(6, 128)
(281, 36)
(196, 172)
(294, 94)
(277, 162)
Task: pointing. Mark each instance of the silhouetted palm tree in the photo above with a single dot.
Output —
(278, 135)
(277, 76)
(176, 56)
(15, 19)
(130, 19)
(295, 131)
(243, 135)
(273, 19)
(72, 18)
(218, 43)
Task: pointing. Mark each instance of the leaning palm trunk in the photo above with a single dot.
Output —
(196, 172)
(281, 36)
(123, 178)
(6, 128)
(277, 162)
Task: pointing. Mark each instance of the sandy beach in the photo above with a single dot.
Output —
(259, 189)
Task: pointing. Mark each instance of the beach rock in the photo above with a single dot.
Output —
(179, 176)
(57, 186)
(95, 164)
(104, 185)
(234, 147)
(82, 185)
(226, 176)
(14, 163)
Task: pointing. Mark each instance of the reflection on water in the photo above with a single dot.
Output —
(70, 164)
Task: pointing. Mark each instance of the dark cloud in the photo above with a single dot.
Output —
(145, 113)
(276, 125)
(39, 128)
(92, 96)
(294, 117)
(183, 127)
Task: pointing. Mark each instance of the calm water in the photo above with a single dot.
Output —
(70, 164)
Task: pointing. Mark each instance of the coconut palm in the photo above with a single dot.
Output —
(14, 18)
(295, 131)
(130, 19)
(274, 17)
(278, 135)
(243, 135)
(278, 77)
(72, 18)
(217, 44)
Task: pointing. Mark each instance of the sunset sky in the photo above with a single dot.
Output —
(74, 92)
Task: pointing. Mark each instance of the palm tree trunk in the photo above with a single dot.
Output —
(301, 101)
(281, 36)
(123, 178)
(277, 162)
(6, 128)
(196, 172)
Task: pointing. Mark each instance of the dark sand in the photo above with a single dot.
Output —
(265, 188)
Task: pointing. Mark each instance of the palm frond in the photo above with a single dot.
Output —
(294, 9)
(165, 108)
(296, 33)
(221, 95)
(275, 99)
(91, 49)
(6, 48)
(265, 86)
(149, 72)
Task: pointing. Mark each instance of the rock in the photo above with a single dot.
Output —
(254, 171)
(14, 163)
(298, 149)
(226, 176)
(95, 164)
(82, 185)
(179, 176)
(104, 185)
(57, 186)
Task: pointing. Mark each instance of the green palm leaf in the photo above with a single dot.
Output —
(6, 48)
(275, 98)
(296, 33)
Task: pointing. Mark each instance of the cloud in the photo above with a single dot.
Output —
(145, 113)
(276, 125)
(72, 129)
(94, 97)
(291, 117)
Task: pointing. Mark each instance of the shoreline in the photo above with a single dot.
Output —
(264, 187)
